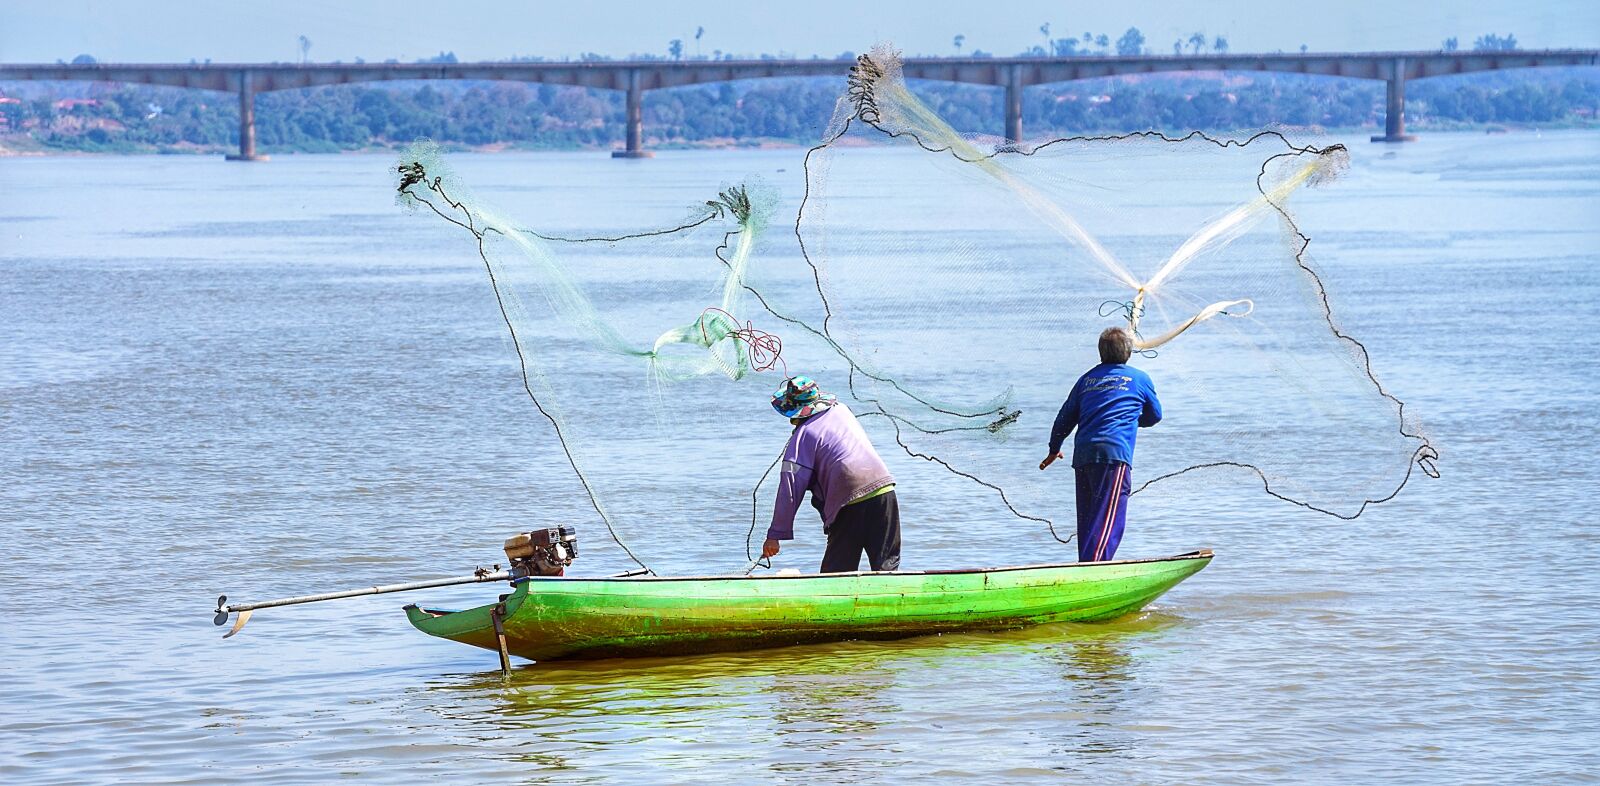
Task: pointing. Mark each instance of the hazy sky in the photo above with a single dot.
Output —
(266, 30)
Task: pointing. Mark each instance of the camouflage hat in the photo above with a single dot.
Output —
(800, 398)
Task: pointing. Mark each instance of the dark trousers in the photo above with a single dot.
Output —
(871, 526)
(1102, 509)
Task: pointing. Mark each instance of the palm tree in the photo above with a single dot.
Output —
(1197, 40)
(305, 48)
(1219, 45)
(698, 31)
(1045, 29)
(675, 48)
(959, 40)
(1177, 47)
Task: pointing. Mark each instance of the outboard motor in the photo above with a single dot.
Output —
(542, 552)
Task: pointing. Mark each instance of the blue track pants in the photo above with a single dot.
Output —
(1102, 509)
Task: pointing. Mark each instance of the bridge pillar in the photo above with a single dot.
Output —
(635, 121)
(247, 120)
(1014, 104)
(1394, 112)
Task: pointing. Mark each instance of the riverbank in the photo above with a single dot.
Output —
(12, 145)
(26, 145)
(478, 116)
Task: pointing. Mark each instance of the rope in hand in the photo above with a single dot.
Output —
(755, 512)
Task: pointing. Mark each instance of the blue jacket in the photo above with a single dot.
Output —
(1108, 405)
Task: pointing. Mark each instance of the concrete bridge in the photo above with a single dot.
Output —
(1011, 73)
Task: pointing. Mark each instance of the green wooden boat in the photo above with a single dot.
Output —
(549, 618)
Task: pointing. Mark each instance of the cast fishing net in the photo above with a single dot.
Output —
(950, 288)
(630, 347)
(1008, 260)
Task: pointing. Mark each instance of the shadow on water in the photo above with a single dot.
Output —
(834, 708)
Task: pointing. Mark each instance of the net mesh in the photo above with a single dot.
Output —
(621, 341)
(950, 288)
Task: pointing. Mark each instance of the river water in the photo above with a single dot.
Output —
(266, 380)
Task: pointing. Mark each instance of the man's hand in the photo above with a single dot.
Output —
(769, 549)
(1051, 459)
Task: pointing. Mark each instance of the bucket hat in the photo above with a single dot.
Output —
(800, 398)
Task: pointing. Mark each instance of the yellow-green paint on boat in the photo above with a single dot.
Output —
(549, 618)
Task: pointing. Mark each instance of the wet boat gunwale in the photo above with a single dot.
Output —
(1197, 554)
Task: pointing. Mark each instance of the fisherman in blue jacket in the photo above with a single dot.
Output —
(1108, 405)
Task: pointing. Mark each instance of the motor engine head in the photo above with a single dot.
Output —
(542, 552)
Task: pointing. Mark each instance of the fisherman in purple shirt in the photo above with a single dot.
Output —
(830, 456)
(1108, 405)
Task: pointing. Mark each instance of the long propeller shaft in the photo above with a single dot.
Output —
(224, 609)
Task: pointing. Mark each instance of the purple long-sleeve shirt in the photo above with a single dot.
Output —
(829, 455)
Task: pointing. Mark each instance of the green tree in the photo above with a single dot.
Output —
(1198, 41)
(1493, 43)
(328, 119)
(675, 48)
(1131, 42)
(959, 40)
(14, 115)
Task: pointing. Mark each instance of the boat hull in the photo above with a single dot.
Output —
(551, 618)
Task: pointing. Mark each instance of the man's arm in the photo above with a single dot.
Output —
(1152, 406)
(798, 456)
(792, 485)
(1066, 421)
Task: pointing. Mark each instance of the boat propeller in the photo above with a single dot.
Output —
(222, 617)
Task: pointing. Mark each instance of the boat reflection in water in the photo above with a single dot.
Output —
(1099, 675)
(1054, 695)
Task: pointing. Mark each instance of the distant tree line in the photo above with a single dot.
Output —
(1130, 43)
(70, 116)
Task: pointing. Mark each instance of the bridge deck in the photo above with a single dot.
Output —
(635, 77)
(657, 74)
